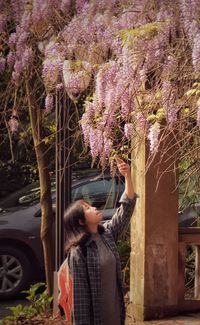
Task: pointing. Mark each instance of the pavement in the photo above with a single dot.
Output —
(4, 304)
(189, 319)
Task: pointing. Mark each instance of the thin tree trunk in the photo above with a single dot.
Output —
(45, 189)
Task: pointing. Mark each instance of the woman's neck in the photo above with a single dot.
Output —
(93, 229)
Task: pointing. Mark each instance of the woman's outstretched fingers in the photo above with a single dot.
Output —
(123, 167)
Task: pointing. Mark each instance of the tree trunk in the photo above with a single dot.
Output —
(45, 188)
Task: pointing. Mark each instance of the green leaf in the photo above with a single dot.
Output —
(196, 84)
(151, 118)
(147, 30)
(191, 92)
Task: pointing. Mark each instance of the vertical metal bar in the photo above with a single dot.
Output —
(64, 108)
(58, 166)
(63, 171)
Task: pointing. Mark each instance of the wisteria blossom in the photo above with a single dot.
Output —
(20, 51)
(128, 130)
(196, 52)
(48, 103)
(108, 145)
(52, 65)
(119, 65)
(13, 124)
(169, 101)
(65, 6)
(153, 136)
(2, 23)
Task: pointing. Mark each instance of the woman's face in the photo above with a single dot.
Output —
(92, 215)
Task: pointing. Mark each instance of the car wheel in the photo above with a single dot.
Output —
(15, 271)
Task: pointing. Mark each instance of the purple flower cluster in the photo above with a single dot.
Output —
(169, 98)
(128, 130)
(17, 7)
(52, 65)
(196, 52)
(106, 81)
(86, 121)
(80, 5)
(42, 12)
(128, 51)
(50, 72)
(140, 121)
(86, 132)
(3, 21)
(13, 124)
(126, 103)
(89, 33)
(20, 54)
(12, 41)
(39, 11)
(48, 103)
(77, 82)
(153, 136)
(170, 66)
(96, 142)
(108, 145)
(65, 6)
(190, 10)
(59, 86)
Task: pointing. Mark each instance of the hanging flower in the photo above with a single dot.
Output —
(48, 103)
(153, 136)
(13, 123)
(78, 80)
(128, 130)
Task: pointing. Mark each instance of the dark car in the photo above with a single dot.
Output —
(21, 255)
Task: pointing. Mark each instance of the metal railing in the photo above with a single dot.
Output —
(188, 236)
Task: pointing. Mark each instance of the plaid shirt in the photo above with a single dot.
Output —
(85, 268)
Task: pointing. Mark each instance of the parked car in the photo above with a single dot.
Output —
(21, 255)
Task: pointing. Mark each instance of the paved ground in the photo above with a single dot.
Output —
(190, 319)
(4, 311)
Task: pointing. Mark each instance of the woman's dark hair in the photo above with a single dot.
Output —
(74, 223)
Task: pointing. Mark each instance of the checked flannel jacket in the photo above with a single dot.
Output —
(85, 268)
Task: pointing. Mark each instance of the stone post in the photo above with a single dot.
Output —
(154, 239)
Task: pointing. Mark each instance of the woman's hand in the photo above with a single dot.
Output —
(123, 167)
(125, 170)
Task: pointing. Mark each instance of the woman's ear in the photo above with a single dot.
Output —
(81, 222)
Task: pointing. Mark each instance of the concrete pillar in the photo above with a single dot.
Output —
(154, 239)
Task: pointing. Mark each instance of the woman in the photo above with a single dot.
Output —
(93, 258)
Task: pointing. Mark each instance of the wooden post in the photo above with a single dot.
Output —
(154, 239)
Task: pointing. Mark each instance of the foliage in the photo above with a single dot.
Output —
(40, 303)
(124, 250)
(137, 61)
(14, 176)
(18, 165)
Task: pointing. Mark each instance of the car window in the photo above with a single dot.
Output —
(27, 196)
(100, 193)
